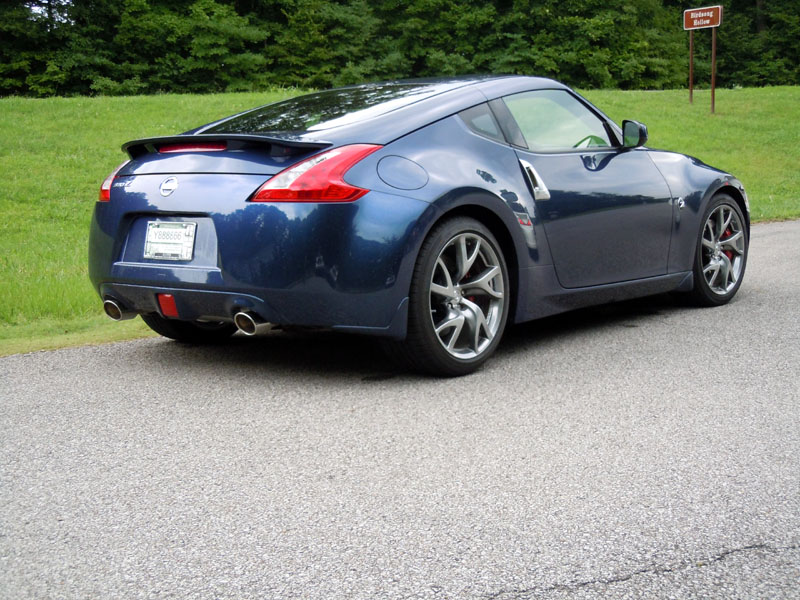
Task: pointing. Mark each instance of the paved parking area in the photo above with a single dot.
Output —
(640, 450)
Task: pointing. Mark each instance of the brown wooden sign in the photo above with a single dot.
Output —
(703, 18)
(700, 18)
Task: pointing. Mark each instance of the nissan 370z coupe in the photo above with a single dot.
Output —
(429, 212)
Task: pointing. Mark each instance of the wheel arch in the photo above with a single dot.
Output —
(495, 215)
(736, 191)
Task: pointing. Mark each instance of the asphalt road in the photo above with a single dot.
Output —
(641, 450)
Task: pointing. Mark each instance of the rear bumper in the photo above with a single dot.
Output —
(345, 267)
(355, 314)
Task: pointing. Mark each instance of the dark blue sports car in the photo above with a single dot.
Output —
(428, 212)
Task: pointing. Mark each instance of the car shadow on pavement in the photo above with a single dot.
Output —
(628, 313)
(307, 351)
(325, 352)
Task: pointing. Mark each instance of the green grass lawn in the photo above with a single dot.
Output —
(54, 153)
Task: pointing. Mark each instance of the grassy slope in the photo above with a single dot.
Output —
(55, 152)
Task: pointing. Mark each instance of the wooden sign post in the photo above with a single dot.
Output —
(703, 18)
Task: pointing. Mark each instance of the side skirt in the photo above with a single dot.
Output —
(543, 296)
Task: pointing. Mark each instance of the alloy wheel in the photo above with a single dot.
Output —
(723, 247)
(467, 295)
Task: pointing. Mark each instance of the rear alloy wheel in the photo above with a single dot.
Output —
(721, 254)
(190, 332)
(459, 299)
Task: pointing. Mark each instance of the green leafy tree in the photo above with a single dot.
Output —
(759, 43)
(204, 47)
(326, 43)
(84, 50)
(440, 37)
(608, 43)
(24, 45)
(50, 47)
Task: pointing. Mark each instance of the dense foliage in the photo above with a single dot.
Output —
(112, 47)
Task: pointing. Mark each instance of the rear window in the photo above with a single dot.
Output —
(331, 108)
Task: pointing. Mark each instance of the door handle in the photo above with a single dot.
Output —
(540, 191)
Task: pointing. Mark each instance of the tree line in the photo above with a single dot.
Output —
(123, 47)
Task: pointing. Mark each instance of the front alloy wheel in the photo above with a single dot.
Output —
(459, 300)
(721, 253)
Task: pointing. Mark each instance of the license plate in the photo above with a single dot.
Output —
(169, 240)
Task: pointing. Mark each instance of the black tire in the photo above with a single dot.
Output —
(189, 332)
(471, 318)
(721, 252)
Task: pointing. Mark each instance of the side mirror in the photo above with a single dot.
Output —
(634, 134)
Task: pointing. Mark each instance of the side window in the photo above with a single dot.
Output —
(555, 120)
(481, 120)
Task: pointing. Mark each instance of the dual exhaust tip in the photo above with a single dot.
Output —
(247, 322)
(251, 324)
(116, 312)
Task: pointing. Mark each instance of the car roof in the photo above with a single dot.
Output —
(447, 96)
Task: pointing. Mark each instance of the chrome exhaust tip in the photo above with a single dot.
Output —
(251, 324)
(116, 312)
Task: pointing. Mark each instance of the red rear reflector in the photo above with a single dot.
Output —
(195, 147)
(166, 302)
(105, 188)
(317, 179)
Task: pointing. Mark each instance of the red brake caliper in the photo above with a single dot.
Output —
(467, 276)
(728, 253)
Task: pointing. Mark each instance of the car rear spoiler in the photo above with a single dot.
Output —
(233, 141)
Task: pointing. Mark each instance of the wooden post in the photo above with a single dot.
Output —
(713, 65)
(703, 18)
(691, 66)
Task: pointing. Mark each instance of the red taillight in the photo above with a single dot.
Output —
(317, 179)
(195, 147)
(105, 188)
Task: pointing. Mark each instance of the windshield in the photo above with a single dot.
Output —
(331, 108)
